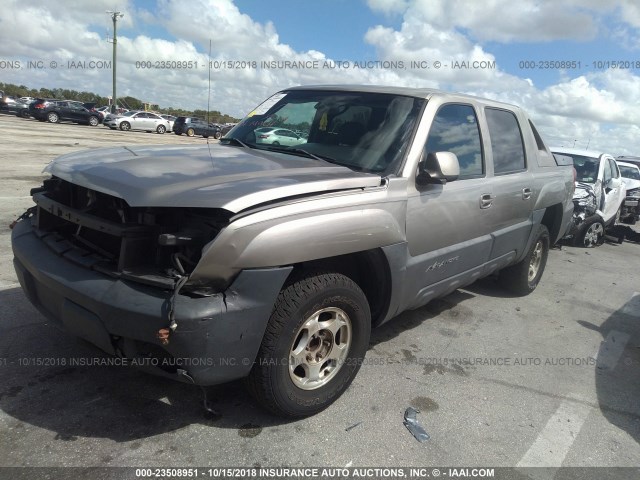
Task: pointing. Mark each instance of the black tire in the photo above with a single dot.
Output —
(590, 234)
(303, 301)
(53, 117)
(205, 136)
(42, 119)
(125, 126)
(178, 133)
(217, 135)
(190, 132)
(24, 114)
(276, 143)
(523, 277)
(161, 129)
(93, 121)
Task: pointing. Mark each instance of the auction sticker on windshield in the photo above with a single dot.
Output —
(267, 104)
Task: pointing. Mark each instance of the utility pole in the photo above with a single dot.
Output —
(114, 16)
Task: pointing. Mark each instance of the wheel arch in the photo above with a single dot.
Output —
(369, 269)
(552, 219)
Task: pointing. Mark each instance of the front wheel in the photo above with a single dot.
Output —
(523, 277)
(217, 135)
(590, 234)
(315, 342)
(125, 126)
(161, 129)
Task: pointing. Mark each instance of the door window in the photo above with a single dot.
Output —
(455, 129)
(506, 141)
(608, 173)
(615, 173)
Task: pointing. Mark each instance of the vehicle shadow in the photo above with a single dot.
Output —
(54, 381)
(449, 306)
(617, 369)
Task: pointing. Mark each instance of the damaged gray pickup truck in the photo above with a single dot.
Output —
(270, 256)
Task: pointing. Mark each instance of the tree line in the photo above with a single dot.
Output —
(128, 102)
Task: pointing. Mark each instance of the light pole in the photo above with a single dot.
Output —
(114, 16)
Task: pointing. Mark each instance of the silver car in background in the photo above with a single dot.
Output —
(278, 136)
(170, 119)
(132, 120)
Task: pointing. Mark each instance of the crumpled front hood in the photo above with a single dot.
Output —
(583, 190)
(212, 176)
(631, 184)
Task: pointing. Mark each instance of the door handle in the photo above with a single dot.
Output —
(526, 193)
(486, 200)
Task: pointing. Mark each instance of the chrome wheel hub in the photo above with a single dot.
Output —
(536, 259)
(593, 234)
(320, 348)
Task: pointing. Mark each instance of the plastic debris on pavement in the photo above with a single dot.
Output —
(411, 422)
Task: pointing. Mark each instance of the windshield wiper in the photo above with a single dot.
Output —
(239, 143)
(307, 154)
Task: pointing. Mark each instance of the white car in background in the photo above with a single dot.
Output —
(599, 195)
(132, 120)
(170, 119)
(278, 136)
(631, 179)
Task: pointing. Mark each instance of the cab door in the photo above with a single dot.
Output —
(511, 213)
(448, 226)
(612, 188)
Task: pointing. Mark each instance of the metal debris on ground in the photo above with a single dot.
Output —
(411, 422)
(352, 426)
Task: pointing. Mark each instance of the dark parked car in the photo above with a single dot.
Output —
(18, 106)
(196, 126)
(57, 110)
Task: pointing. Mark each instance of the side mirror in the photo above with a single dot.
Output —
(438, 168)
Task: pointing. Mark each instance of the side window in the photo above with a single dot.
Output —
(608, 173)
(615, 172)
(455, 129)
(506, 141)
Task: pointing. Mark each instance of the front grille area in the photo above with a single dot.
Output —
(102, 232)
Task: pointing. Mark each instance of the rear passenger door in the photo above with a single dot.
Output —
(512, 206)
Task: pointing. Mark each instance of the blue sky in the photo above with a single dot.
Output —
(588, 104)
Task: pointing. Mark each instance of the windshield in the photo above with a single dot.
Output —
(630, 172)
(363, 131)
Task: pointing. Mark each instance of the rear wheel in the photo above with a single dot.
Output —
(217, 135)
(125, 126)
(276, 143)
(93, 121)
(53, 117)
(315, 342)
(523, 277)
(590, 233)
(190, 132)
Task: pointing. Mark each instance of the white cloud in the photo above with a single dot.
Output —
(600, 107)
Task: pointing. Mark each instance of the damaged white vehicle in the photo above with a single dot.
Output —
(631, 179)
(599, 195)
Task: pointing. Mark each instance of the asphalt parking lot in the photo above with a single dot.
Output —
(551, 379)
